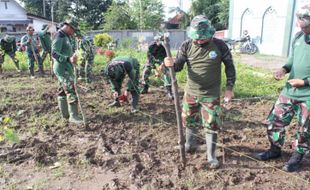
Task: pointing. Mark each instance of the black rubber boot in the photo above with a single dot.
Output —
(211, 141)
(272, 153)
(169, 92)
(190, 137)
(145, 89)
(134, 101)
(294, 163)
(115, 103)
(31, 72)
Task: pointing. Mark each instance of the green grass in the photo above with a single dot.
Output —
(250, 81)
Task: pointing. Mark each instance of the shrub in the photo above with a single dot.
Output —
(102, 40)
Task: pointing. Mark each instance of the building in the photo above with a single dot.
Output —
(271, 23)
(14, 18)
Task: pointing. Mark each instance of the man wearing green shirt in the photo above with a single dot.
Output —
(115, 72)
(46, 41)
(30, 41)
(64, 61)
(8, 46)
(203, 55)
(294, 99)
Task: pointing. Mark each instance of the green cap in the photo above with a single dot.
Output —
(9, 38)
(200, 28)
(44, 26)
(72, 22)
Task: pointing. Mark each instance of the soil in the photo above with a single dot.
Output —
(120, 150)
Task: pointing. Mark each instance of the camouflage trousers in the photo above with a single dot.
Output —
(201, 111)
(148, 70)
(282, 114)
(32, 60)
(85, 70)
(44, 55)
(67, 87)
(13, 58)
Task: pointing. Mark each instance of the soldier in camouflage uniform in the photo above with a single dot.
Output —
(8, 46)
(87, 54)
(294, 99)
(115, 73)
(155, 55)
(203, 55)
(46, 41)
(65, 59)
(30, 41)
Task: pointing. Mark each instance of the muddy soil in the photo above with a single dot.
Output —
(120, 150)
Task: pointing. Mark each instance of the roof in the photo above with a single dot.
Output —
(176, 19)
(30, 15)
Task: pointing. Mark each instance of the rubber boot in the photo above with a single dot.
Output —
(272, 153)
(74, 114)
(63, 106)
(41, 70)
(134, 101)
(294, 162)
(115, 103)
(169, 92)
(190, 137)
(16, 62)
(1, 70)
(31, 72)
(211, 140)
(145, 89)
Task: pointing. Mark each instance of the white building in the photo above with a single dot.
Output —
(14, 18)
(272, 23)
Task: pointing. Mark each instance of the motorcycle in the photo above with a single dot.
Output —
(243, 45)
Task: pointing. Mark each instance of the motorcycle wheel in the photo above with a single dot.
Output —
(251, 48)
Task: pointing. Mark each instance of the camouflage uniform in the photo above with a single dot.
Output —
(293, 100)
(8, 46)
(201, 101)
(32, 48)
(87, 59)
(115, 73)
(46, 42)
(62, 49)
(155, 55)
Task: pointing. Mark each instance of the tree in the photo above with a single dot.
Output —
(118, 17)
(185, 16)
(216, 10)
(148, 14)
(36, 7)
(91, 11)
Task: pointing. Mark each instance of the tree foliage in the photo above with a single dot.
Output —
(148, 14)
(216, 10)
(86, 11)
(119, 17)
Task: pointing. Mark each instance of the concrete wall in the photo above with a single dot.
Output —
(270, 22)
(144, 37)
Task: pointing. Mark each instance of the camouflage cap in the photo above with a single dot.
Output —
(200, 28)
(44, 26)
(303, 15)
(9, 38)
(113, 71)
(72, 22)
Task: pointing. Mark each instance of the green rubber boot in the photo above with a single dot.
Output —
(211, 141)
(74, 114)
(63, 106)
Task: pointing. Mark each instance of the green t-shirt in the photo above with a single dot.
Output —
(45, 39)
(61, 52)
(204, 67)
(298, 66)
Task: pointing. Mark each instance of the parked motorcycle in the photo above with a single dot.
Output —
(242, 45)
